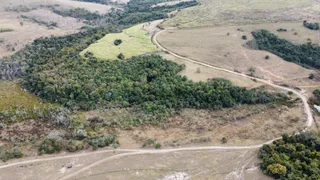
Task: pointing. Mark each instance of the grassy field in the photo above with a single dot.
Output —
(216, 47)
(134, 42)
(217, 12)
(11, 96)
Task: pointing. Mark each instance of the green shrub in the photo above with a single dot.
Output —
(117, 42)
(50, 146)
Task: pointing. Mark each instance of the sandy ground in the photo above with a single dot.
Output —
(199, 165)
(214, 46)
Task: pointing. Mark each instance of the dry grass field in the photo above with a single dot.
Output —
(244, 125)
(199, 73)
(196, 165)
(226, 12)
(216, 47)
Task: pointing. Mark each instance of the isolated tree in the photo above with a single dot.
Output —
(252, 70)
(21, 23)
(244, 37)
(267, 57)
(117, 42)
(311, 76)
(121, 56)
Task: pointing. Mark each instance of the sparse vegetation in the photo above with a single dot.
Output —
(2, 30)
(292, 157)
(282, 30)
(42, 23)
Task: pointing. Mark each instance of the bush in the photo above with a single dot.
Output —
(224, 140)
(6, 154)
(117, 42)
(311, 76)
(121, 56)
(102, 141)
(157, 145)
(267, 57)
(50, 146)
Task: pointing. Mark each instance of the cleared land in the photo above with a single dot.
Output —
(216, 47)
(200, 165)
(217, 12)
(135, 41)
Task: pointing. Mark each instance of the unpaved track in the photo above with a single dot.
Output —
(130, 152)
(307, 109)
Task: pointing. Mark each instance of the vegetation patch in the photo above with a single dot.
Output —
(305, 54)
(134, 42)
(312, 26)
(292, 157)
(2, 30)
(41, 23)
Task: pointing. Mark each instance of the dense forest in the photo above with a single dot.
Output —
(312, 26)
(305, 54)
(293, 157)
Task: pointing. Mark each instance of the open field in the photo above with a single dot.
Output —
(226, 12)
(245, 125)
(198, 73)
(25, 30)
(216, 47)
(134, 42)
(11, 96)
(68, 4)
(200, 165)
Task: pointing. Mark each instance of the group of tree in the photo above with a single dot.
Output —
(54, 70)
(312, 26)
(292, 157)
(305, 54)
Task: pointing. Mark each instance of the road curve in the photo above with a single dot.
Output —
(129, 152)
(307, 109)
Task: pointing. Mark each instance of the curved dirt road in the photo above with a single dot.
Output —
(307, 109)
(130, 152)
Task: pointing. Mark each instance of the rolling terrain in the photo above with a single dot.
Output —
(191, 96)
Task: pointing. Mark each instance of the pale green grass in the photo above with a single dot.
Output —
(12, 96)
(134, 42)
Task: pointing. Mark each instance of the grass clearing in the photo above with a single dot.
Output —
(11, 96)
(134, 42)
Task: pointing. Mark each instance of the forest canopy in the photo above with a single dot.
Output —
(292, 157)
